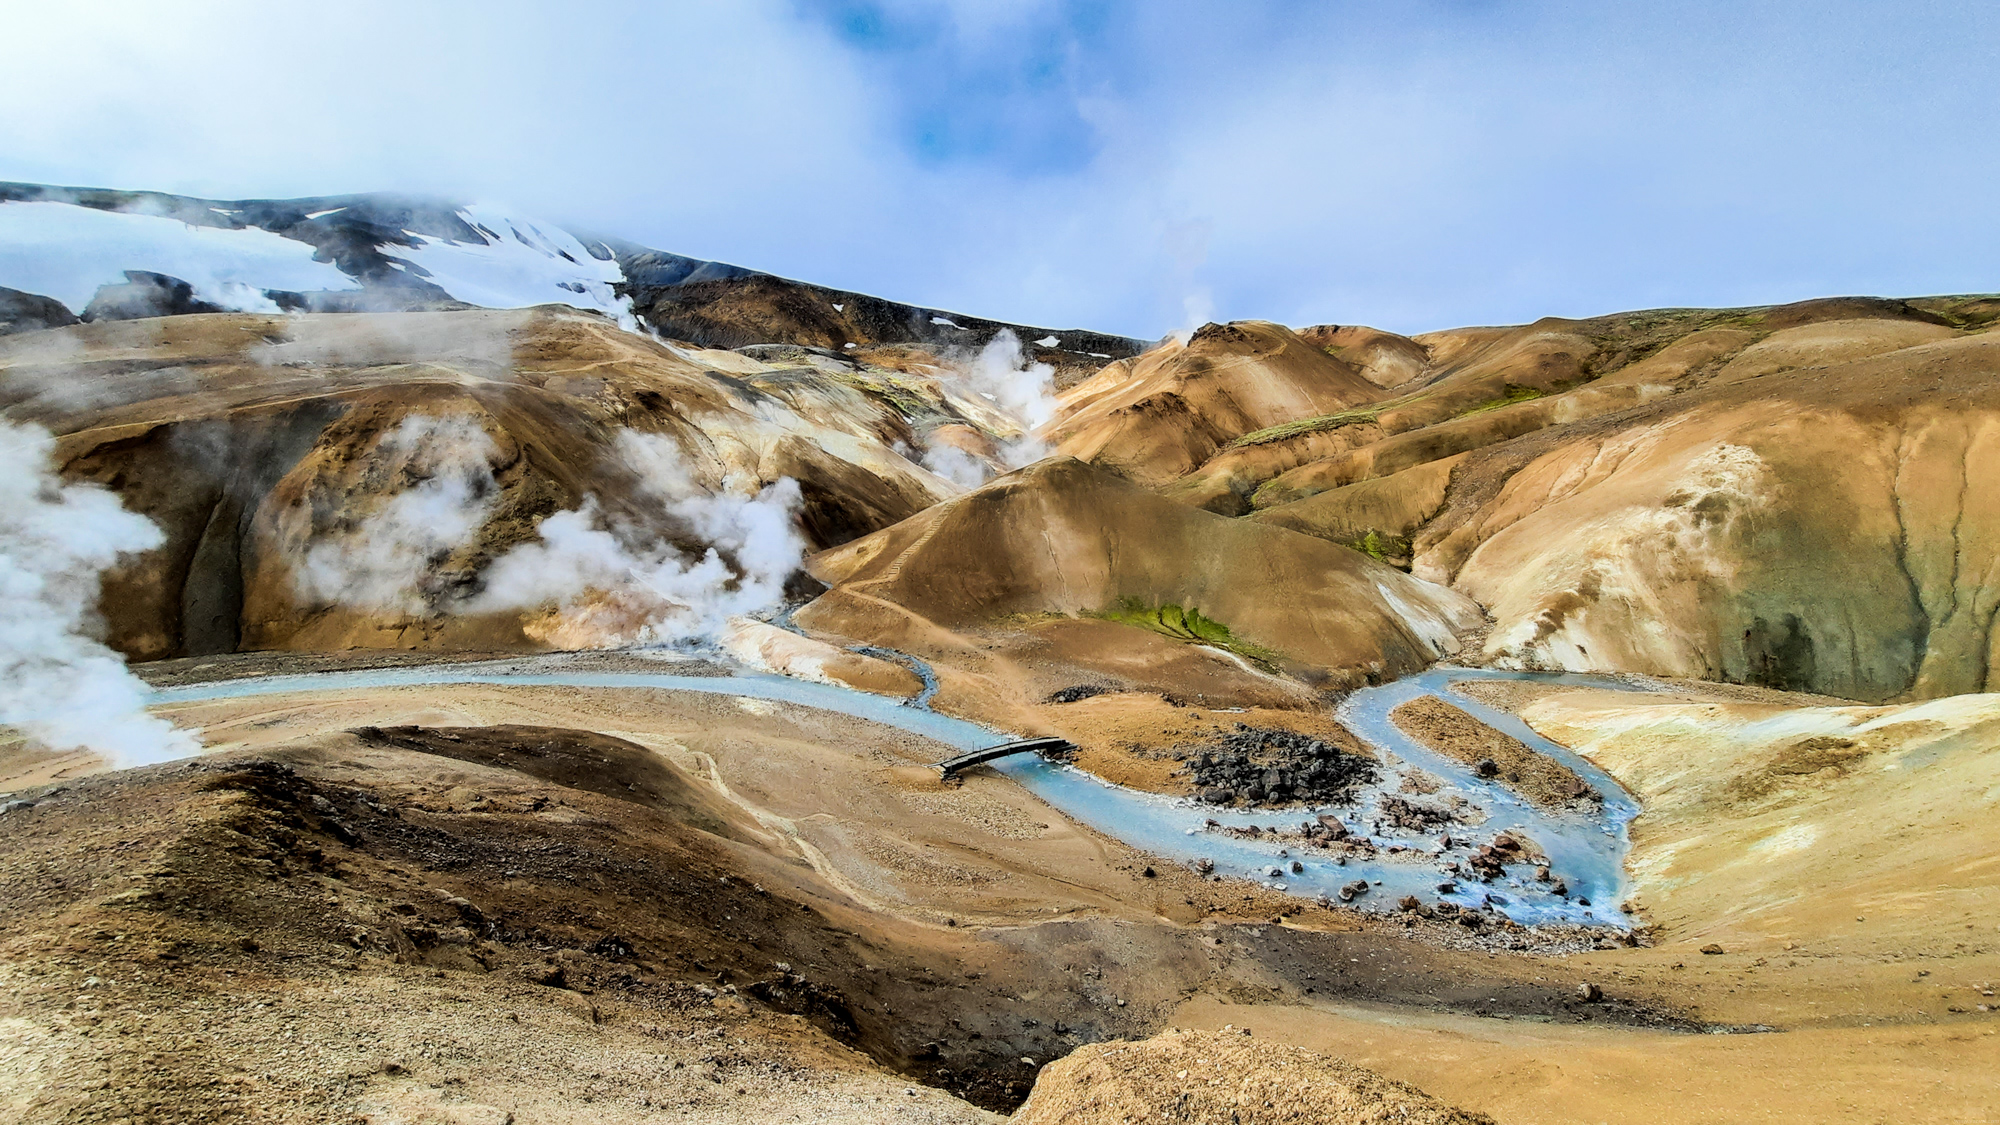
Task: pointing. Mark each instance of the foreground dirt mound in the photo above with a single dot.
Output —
(1224, 1076)
(1065, 538)
(507, 905)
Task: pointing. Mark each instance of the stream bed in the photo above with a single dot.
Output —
(1585, 850)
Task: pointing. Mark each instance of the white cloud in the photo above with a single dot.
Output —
(1409, 165)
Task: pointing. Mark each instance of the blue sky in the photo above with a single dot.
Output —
(1130, 166)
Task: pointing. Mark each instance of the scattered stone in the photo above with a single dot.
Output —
(1487, 768)
(1711, 949)
(1416, 816)
(1589, 993)
(1297, 867)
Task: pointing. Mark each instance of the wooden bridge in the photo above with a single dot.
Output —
(950, 766)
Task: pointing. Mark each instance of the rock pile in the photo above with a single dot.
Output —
(1077, 693)
(1257, 767)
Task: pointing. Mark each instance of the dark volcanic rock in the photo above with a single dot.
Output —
(26, 312)
(1276, 767)
(1076, 693)
(145, 294)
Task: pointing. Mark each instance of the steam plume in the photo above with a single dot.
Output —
(1013, 396)
(613, 583)
(58, 685)
(389, 560)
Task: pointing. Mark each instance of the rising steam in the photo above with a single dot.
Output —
(611, 582)
(58, 685)
(1012, 397)
(389, 561)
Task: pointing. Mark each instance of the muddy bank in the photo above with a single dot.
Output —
(1494, 756)
(183, 671)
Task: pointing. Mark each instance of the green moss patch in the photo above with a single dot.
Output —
(1391, 549)
(1189, 625)
(1515, 392)
(1284, 431)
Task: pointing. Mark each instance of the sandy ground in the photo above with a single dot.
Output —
(1526, 1072)
(1870, 951)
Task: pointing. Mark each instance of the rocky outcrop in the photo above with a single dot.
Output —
(26, 312)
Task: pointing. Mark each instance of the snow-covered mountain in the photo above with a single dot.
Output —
(96, 254)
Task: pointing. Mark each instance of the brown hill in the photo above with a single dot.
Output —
(1388, 360)
(1224, 1076)
(413, 449)
(1605, 460)
(1063, 537)
(1820, 529)
(1157, 417)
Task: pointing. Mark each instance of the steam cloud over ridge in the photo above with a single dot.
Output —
(58, 685)
(613, 583)
(1010, 395)
(388, 561)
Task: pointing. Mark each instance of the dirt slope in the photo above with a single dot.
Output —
(1161, 415)
(1203, 1076)
(1776, 495)
(1818, 530)
(1065, 538)
(254, 440)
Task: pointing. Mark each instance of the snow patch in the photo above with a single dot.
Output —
(525, 263)
(66, 252)
(947, 322)
(318, 214)
(1047, 342)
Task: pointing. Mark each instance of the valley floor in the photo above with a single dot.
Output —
(769, 912)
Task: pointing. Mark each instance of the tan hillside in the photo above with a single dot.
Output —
(1223, 1076)
(253, 440)
(1818, 530)
(1065, 538)
(1577, 477)
(1160, 415)
(1388, 360)
(1768, 824)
